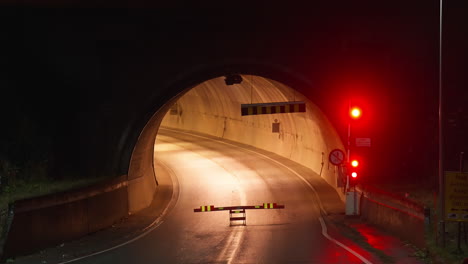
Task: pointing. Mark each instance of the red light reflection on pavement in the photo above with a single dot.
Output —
(390, 245)
(333, 253)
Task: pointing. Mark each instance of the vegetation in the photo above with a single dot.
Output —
(434, 253)
(24, 183)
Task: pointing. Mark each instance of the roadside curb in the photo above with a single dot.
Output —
(126, 231)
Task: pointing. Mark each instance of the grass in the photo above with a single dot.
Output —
(23, 190)
(29, 189)
(434, 253)
(450, 253)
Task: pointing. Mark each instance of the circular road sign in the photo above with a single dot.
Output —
(337, 157)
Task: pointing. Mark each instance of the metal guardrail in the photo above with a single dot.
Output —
(402, 201)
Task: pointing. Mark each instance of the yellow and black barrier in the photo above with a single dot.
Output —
(234, 211)
(273, 108)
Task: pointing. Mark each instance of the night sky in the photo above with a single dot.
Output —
(383, 55)
(393, 75)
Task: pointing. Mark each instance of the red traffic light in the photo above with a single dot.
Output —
(353, 168)
(355, 112)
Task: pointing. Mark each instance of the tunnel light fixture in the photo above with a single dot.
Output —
(233, 79)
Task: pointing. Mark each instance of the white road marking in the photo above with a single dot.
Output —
(322, 223)
(235, 237)
(114, 247)
(155, 224)
(325, 234)
(232, 245)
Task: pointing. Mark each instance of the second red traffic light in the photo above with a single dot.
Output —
(354, 165)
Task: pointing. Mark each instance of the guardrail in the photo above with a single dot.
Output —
(234, 211)
(403, 201)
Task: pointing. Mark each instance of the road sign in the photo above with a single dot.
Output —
(336, 157)
(456, 196)
(363, 142)
(273, 108)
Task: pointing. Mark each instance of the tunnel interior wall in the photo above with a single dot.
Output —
(214, 108)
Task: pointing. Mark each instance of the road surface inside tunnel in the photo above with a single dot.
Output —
(212, 172)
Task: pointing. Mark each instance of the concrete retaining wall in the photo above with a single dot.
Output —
(405, 223)
(53, 219)
(141, 174)
(49, 220)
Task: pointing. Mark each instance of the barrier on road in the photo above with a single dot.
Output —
(234, 211)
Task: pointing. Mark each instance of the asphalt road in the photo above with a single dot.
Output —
(211, 172)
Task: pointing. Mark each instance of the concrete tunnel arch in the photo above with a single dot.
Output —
(213, 108)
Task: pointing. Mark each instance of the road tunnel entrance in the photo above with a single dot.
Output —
(213, 107)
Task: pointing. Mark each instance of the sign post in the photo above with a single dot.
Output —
(337, 157)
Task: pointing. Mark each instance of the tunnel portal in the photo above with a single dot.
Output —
(214, 108)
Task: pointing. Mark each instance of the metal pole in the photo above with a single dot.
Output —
(461, 161)
(459, 250)
(461, 171)
(349, 141)
(349, 145)
(348, 158)
(441, 143)
(355, 198)
(460, 223)
(349, 130)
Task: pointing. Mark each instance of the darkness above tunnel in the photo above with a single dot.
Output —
(82, 83)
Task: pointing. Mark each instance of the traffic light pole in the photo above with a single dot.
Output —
(441, 139)
(348, 153)
(348, 162)
(349, 144)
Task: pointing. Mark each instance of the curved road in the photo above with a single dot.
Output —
(211, 172)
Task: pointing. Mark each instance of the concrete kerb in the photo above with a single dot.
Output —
(128, 230)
